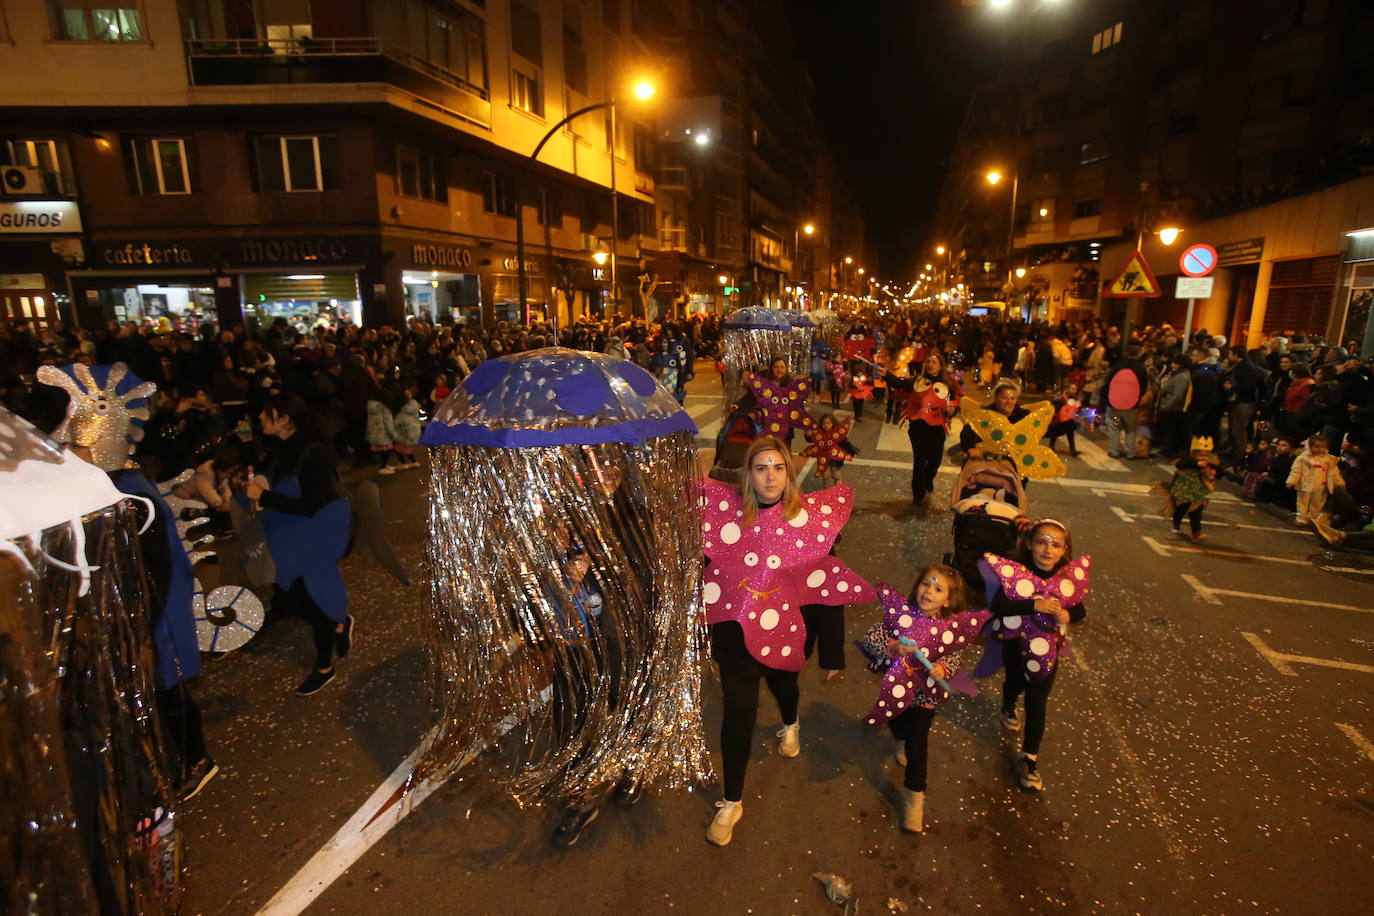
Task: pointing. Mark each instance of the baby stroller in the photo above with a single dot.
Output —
(738, 431)
(990, 508)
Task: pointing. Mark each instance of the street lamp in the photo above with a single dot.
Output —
(599, 257)
(993, 177)
(809, 229)
(1169, 234)
(848, 259)
(1020, 272)
(643, 90)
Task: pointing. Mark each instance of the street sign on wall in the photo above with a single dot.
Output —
(1134, 280)
(1193, 287)
(1243, 252)
(1198, 260)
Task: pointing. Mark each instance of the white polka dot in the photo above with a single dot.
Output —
(825, 524)
(904, 620)
(934, 631)
(728, 605)
(1039, 645)
(705, 526)
(834, 569)
(947, 637)
(1078, 573)
(751, 559)
(1025, 588)
(1007, 570)
(1066, 588)
(768, 619)
(779, 531)
(786, 651)
(800, 542)
(816, 579)
(752, 615)
(773, 561)
(820, 539)
(839, 499)
(1032, 666)
(799, 519)
(724, 506)
(842, 586)
(1012, 622)
(729, 533)
(710, 592)
(930, 682)
(792, 629)
(899, 691)
(765, 650)
(826, 510)
(825, 593)
(872, 721)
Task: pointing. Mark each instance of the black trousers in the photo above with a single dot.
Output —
(1037, 695)
(825, 627)
(927, 451)
(1194, 517)
(913, 729)
(740, 674)
(858, 405)
(297, 601)
(181, 721)
(1062, 428)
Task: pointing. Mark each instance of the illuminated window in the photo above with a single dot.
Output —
(1106, 38)
(526, 93)
(94, 20)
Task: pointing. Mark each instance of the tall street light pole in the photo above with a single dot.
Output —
(994, 177)
(809, 229)
(643, 90)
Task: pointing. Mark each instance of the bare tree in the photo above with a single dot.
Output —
(648, 282)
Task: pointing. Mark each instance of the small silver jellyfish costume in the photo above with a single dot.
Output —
(799, 341)
(828, 328)
(86, 787)
(565, 550)
(750, 339)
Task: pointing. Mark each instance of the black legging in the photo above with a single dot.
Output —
(1062, 428)
(927, 451)
(182, 724)
(913, 729)
(296, 600)
(825, 625)
(1037, 695)
(739, 680)
(1194, 517)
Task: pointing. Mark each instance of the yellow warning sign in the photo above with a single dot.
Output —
(1134, 280)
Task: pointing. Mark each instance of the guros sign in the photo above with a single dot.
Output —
(43, 217)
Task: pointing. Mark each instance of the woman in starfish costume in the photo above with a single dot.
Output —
(768, 548)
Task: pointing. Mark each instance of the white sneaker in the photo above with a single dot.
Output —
(388, 470)
(901, 757)
(789, 743)
(723, 824)
(913, 810)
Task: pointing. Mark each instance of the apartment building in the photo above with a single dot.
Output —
(254, 158)
(1121, 117)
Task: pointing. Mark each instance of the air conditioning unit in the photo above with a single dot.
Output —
(22, 179)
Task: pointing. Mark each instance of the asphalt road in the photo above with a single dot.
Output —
(1209, 747)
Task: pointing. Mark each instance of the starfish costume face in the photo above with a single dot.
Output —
(1020, 440)
(929, 403)
(780, 407)
(1042, 643)
(825, 445)
(935, 638)
(762, 574)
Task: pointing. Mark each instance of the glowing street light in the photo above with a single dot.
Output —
(1169, 234)
(939, 249)
(600, 257)
(993, 176)
(809, 228)
(1020, 272)
(724, 280)
(848, 259)
(644, 90)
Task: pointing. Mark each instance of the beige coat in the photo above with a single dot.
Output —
(1303, 476)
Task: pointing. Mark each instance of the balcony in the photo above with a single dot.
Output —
(278, 62)
(673, 178)
(672, 238)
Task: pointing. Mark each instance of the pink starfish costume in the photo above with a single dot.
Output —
(761, 575)
(1042, 642)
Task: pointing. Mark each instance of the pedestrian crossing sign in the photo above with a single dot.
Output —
(1135, 279)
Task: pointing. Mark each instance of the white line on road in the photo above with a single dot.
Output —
(1358, 739)
(1163, 550)
(1208, 594)
(697, 411)
(1123, 515)
(894, 439)
(1097, 458)
(1276, 528)
(1280, 660)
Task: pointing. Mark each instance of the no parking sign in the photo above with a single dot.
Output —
(1198, 260)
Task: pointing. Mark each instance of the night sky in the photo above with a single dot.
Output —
(892, 78)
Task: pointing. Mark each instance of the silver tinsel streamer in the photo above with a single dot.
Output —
(749, 349)
(529, 699)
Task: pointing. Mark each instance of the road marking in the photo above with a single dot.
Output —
(357, 836)
(1358, 739)
(1280, 660)
(1276, 528)
(893, 439)
(1208, 594)
(1150, 800)
(1097, 457)
(701, 410)
(1123, 515)
(1163, 550)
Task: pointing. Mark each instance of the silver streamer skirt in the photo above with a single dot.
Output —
(84, 777)
(568, 639)
(748, 349)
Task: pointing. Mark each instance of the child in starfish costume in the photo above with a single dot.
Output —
(1032, 598)
(830, 446)
(936, 623)
(780, 402)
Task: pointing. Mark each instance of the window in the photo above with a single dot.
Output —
(159, 165)
(574, 61)
(420, 174)
(526, 93)
(95, 20)
(48, 156)
(454, 40)
(1085, 208)
(546, 205)
(1106, 38)
(296, 163)
(498, 197)
(1092, 151)
(526, 38)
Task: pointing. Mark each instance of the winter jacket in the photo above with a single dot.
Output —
(1173, 394)
(381, 428)
(406, 422)
(1304, 473)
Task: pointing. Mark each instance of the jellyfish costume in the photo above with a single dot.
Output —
(799, 340)
(86, 791)
(750, 339)
(565, 547)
